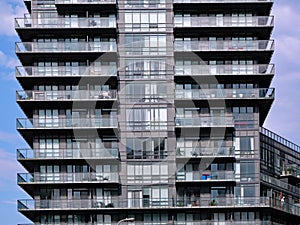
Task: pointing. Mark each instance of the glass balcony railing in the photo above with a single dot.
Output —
(63, 23)
(203, 222)
(97, 153)
(279, 183)
(259, 45)
(85, 1)
(61, 123)
(65, 47)
(67, 177)
(226, 21)
(66, 95)
(204, 152)
(252, 69)
(221, 1)
(201, 202)
(204, 121)
(254, 93)
(63, 71)
(205, 176)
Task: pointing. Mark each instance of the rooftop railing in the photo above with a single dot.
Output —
(204, 152)
(63, 23)
(33, 178)
(97, 153)
(233, 93)
(204, 121)
(65, 47)
(251, 45)
(66, 95)
(61, 123)
(226, 21)
(62, 71)
(252, 69)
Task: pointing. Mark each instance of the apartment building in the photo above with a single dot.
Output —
(151, 110)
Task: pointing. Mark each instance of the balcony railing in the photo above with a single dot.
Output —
(260, 69)
(254, 93)
(65, 47)
(291, 170)
(227, 21)
(97, 153)
(63, 23)
(85, 204)
(66, 95)
(251, 45)
(203, 222)
(221, 1)
(204, 152)
(205, 176)
(32, 178)
(85, 1)
(204, 121)
(62, 71)
(60, 123)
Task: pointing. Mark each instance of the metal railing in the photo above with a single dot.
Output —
(105, 153)
(252, 69)
(251, 45)
(61, 123)
(201, 202)
(205, 176)
(63, 23)
(63, 71)
(224, 93)
(65, 47)
(226, 21)
(204, 121)
(85, 1)
(279, 183)
(67, 177)
(65, 95)
(221, 1)
(204, 151)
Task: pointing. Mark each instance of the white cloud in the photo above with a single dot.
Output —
(7, 61)
(8, 11)
(8, 168)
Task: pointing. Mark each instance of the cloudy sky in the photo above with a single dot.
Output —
(284, 117)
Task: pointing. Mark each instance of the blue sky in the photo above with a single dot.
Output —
(284, 117)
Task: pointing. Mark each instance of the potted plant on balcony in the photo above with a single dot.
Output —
(290, 170)
(213, 202)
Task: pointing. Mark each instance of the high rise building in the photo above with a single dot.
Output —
(152, 110)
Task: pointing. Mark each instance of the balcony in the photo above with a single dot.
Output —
(198, 152)
(219, 70)
(65, 23)
(65, 178)
(61, 123)
(205, 176)
(227, 21)
(79, 95)
(64, 71)
(202, 46)
(221, 1)
(292, 172)
(28, 205)
(206, 94)
(56, 154)
(65, 47)
(85, 2)
(204, 121)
